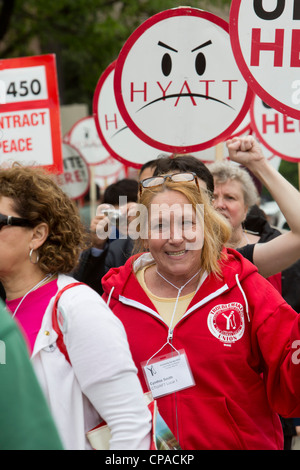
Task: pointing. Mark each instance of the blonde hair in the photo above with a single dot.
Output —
(216, 230)
(36, 197)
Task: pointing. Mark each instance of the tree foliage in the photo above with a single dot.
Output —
(290, 171)
(85, 35)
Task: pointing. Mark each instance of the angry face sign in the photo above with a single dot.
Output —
(177, 84)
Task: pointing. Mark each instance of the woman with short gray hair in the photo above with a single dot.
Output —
(234, 194)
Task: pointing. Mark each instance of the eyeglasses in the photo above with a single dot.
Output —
(155, 181)
(16, 221)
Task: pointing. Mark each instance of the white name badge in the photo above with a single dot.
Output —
(167, 374)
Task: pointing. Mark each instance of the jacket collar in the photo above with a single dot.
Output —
(126, 288)
(131, 293)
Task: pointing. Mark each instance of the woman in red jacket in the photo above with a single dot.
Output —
(213, 340)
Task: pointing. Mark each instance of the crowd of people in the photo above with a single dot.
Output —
(192, 309)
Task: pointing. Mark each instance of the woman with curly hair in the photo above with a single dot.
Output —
(94, 378)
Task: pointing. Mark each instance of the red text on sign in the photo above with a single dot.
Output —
(76, 176)
(22, 120)
(277, 47)
(226, 86)
(109, 121)
(280, 123)
(14, 145)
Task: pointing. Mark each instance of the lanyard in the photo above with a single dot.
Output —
(170, 331)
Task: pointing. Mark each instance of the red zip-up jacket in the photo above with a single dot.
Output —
(241, 341)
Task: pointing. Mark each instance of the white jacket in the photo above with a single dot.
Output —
(102, 380)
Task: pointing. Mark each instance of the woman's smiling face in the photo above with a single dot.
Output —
(175, 235)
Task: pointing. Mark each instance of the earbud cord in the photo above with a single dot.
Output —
(32, 289)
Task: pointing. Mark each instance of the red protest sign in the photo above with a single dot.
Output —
(265, 38)
(29, 112)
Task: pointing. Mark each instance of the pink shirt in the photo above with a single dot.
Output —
(31, 311)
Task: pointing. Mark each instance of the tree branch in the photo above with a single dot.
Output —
(5, 16)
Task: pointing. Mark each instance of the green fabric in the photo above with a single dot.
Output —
(25, 420)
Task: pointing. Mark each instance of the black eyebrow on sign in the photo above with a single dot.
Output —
(207, 43)
(166, 46)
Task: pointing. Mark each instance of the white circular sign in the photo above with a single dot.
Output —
(109, 167)
(209, 155)
(75, 179)
(177, 84)
(115, 135)
(244, 127)
(278, 132)
(84, 137)
(265, 40)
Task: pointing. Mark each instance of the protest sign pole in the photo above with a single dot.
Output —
(219, 154)
(93, 196)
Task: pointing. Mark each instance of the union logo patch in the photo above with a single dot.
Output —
(226, 322)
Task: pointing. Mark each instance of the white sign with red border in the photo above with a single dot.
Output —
(120, 141)
(84, 136)
(75, 179)
(278, 132)
(109, 171)
(115, 135)
(29, 112)
(177, 84)
(265, 38)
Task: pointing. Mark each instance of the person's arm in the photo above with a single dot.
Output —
(100, 356)
(281, 252)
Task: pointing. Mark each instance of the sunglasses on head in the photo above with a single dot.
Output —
(16, 221)
(155, 181)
